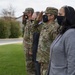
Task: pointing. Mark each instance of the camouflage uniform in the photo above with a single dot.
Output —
(28, 46)
(36, 33)
(47, 35)
(36, 29)
(37, 26)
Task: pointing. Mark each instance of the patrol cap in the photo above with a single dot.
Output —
(29, 10)
(51, 10)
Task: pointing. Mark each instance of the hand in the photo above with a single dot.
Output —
(39, 17)
(30, 53)
(23, 16)
(40, 62)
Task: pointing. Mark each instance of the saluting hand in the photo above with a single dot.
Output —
(39, 17)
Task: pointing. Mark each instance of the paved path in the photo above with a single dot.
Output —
(10, 41)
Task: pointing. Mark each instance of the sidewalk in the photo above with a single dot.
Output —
(10, 41)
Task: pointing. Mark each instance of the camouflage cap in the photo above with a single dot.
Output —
(51, 10)
(29, 10)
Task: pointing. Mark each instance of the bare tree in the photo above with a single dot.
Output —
(8, 13)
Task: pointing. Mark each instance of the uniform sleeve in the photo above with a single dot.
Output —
(36, 23)
(70, 53)
(23, 21)
(35, 26)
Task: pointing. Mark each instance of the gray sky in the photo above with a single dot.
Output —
(38, 5)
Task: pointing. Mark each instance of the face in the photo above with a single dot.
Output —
(61, 16)
(61, 12)
(29, 14)
(49, 16)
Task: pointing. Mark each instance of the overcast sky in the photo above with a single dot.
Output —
(38, 5)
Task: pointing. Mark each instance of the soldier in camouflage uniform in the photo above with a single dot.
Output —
(27, 21)
(47, 35)
(36, 29)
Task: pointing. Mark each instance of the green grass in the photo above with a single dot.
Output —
(12, 61)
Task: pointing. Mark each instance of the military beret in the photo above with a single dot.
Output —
(51, 10)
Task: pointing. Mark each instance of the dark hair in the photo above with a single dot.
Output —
(69, 21)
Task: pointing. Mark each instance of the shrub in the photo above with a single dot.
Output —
(15, 29)
(4, 29)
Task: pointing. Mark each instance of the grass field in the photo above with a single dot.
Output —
(12, 61)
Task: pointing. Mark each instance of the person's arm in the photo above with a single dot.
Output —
(23, 20)
(70, 53)
(38, 19)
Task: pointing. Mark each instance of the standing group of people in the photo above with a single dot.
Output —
(49, 39)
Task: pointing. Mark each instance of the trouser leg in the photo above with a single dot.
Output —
(37, 68)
